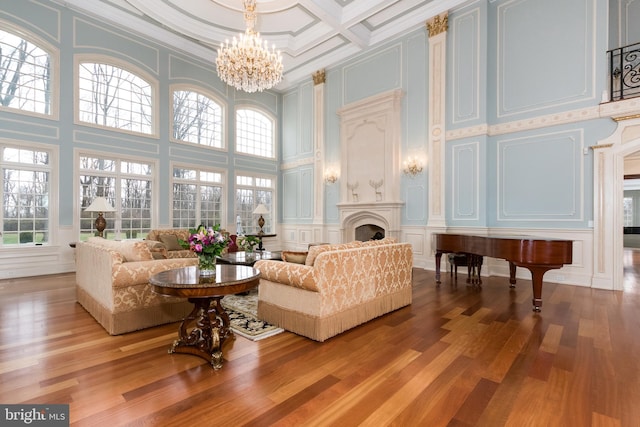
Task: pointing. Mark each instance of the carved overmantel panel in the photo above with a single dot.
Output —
(370, 134)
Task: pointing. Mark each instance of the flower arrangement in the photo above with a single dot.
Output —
(247, 243)
(207, 243)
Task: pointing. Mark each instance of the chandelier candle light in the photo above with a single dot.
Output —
(245, 63)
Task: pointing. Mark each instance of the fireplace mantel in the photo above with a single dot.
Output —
(386, 215)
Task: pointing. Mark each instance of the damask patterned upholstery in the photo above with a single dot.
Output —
(180, 233)
(116, 291)
(345, 285)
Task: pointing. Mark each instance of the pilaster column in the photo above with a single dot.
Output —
(437, 28)
(318, 144)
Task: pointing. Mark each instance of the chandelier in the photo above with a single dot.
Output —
(245, 63)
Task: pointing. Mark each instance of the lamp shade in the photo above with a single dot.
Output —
(100, 204)
(261, 209)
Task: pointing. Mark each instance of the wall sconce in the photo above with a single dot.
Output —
(412, 166)
(330, 176)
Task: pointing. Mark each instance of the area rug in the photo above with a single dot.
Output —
(242, 311)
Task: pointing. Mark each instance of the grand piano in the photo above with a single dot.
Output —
(536, 255)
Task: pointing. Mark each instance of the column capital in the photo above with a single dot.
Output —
(438, 24)
(319, 77)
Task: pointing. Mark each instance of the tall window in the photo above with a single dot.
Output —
(628, 211)
(25, 75)
(254, 133)
(197, 119)
(26, 191)
(127, 185)
(250, 192)
(197, 197)
(113, 97)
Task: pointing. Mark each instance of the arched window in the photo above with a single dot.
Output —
(27, 66)
(197, 118)
(114, 97)
(254, 133)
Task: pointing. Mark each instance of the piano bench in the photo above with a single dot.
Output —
(457, 260)
(472, 262)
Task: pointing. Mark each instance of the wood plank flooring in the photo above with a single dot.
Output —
(458, 356)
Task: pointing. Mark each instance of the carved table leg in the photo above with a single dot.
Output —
(203, 332)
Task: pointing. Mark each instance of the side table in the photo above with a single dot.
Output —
(203, 332)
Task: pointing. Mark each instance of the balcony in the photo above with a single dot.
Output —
(624, 72)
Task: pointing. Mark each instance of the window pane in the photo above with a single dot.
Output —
(195, 200)
(197, 119)
(248, 197)
(113, 97)
(127, 186)
(25, 196)
(25, 75)
(254, 133)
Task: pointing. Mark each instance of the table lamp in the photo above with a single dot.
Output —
(100, 205)
(261, 209)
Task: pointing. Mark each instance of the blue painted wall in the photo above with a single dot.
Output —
(513, 67)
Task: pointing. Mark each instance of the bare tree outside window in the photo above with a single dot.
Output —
(26, 191)
(114, 97)
(25, 75)
(254, 133)
(250, 192)
(197, 197)
(197, 119)
(127, 185)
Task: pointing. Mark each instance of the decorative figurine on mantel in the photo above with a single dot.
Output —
(376, 185)
(353, 187)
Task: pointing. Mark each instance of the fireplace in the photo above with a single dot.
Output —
(378, 216)
(370, 173)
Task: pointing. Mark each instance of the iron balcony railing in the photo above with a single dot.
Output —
(624, 72)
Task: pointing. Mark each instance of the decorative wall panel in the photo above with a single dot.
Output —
(540, 177)
(532, 78)
(465, 64)
(465, 182)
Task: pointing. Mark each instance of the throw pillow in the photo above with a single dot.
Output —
(314, 251)
(171, 242)
(295, 257)
(158, 249)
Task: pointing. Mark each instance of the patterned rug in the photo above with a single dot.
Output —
(242, 311)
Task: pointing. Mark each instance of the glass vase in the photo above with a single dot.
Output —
(207, 265)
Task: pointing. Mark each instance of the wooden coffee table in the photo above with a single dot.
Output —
(204, 331)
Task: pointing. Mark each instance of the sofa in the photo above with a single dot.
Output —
(112, 284)
(335, 287)
(170, 238)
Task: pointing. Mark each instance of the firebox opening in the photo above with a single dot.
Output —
(369, 232)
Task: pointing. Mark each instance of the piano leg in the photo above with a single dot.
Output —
(438, 260)
(537, 272)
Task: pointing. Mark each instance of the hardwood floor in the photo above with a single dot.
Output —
(458, 356)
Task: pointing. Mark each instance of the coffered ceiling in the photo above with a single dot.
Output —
(312, 34)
